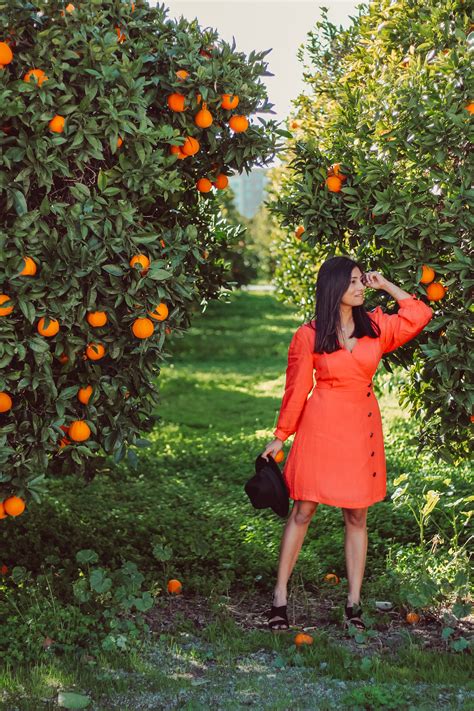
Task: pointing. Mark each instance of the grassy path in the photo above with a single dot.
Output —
(209, 648)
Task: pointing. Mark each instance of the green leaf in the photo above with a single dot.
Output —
(28, 310)
(44, 207)
(87, 555)
(19, 202)
(19, 574)
(158, 274)
(38, 345)
(72, 700)
(69, 392)
(80, 191)
(145, 602)
(140, 153)
(99, 581)
(113, 269)
(101, 180)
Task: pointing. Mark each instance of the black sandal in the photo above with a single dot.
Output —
(275, 625)
(353, 617)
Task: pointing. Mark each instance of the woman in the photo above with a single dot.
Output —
(337, 456)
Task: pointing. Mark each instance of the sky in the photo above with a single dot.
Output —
(263, 24)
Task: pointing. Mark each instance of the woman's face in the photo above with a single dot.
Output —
(355, 293)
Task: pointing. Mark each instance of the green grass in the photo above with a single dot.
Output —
(221, 395)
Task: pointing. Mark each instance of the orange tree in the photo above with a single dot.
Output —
(118, 128)
(379, 167)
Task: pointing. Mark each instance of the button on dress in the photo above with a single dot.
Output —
(338, 456)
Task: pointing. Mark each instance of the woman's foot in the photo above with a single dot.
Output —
(353, 612)
(277, 618)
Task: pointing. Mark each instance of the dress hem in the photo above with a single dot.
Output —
(340, 505)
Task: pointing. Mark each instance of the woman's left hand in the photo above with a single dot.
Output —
(374, 280)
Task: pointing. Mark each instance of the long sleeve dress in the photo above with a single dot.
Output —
(338, 456)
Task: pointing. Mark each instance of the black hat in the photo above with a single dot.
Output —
(267, 488)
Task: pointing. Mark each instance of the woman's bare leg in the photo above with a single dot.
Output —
(291, 542)
(355, 546)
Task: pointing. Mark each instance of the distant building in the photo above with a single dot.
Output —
(249, 190)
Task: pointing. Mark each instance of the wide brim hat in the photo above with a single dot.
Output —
(267, 488)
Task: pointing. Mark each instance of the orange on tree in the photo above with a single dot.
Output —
(229, 101)
(470, 107)
(299, 231)
(333, 183)
(95, 351)
(3, 513)
(79, 431)
(176, 102)
(203, 118)
(238, 124)
(6, 403)
(204, 185)
(96, 318)
(56, 125)
(177, 150)
(331, 578)
(121, 36)
(182, 74)
(64, 440)
(142, 260)
(84, 394)
(427, 274)
(5, 310)
(119, 142)
(6, 55)
(14, 505)
(63, 358)
(160, 312)
(412, 618)
(142, 327)
(279, 456)
(302, 638)
(221, 182)
(191, 146)
(39, 75)
(30, 267)
(435, 291)
(335, 169)
(174, 586)
(49, 331)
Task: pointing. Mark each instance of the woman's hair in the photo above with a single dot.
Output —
(333, 280)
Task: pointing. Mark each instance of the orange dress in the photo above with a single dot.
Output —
(337, 456)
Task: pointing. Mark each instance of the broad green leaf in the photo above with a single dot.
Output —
(72, 700)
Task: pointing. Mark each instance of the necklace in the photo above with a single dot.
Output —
(345, 336)
(345, 330)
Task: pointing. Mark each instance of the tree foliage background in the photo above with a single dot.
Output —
(390, 99)
(82, 202)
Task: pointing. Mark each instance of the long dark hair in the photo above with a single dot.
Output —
(333, 280)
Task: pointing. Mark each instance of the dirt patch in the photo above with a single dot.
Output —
(387, 630)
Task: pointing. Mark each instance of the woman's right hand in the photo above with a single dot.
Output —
(272, 448)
